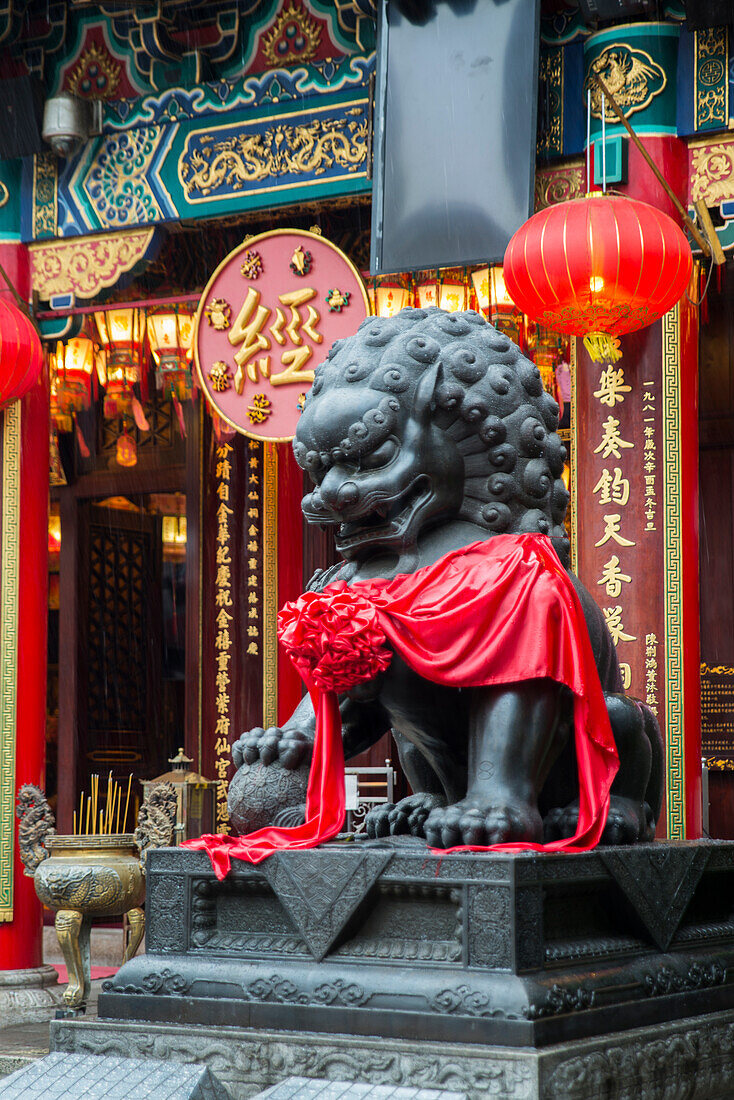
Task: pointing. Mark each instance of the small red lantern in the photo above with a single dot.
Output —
(21, 354)
(598, 267)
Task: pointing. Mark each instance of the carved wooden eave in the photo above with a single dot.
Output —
(81, 267)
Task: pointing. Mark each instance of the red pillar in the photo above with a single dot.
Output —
(671, 156)
(659, 605)
(21, 938)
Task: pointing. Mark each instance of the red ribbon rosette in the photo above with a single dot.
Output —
(334, 638)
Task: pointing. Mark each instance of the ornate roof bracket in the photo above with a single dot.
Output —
(81, 267)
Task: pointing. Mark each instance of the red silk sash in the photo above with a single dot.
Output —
(495, 612)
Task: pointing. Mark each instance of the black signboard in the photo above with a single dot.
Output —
(455, 130)
(717, 709)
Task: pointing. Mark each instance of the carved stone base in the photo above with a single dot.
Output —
(28, 996)
(691, 1058)
(389, 939)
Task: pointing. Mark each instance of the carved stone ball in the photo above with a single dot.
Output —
(266, 794)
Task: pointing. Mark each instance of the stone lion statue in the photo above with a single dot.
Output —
(424, 433)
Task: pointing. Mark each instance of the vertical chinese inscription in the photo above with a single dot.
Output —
(253, 548)
(649, 411)
(651, 672)
(223, 638)
(612, 493)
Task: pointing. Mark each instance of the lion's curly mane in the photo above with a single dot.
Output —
(487, 397)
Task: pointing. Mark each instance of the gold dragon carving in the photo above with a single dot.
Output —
(246, 158)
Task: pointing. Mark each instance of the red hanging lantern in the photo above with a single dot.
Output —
(21, 354)
(598, 267)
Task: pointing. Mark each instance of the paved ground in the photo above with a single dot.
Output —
(19, 1043)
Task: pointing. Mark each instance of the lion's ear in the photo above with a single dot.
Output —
(425, 395)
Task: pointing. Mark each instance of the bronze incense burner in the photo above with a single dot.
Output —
(90, 876)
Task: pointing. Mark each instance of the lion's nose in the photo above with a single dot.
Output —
(348, 494)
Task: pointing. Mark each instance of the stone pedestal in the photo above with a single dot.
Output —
(689, 1058)
(453, 972)
(28, 996)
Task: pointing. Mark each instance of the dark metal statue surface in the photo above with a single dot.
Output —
(424, 433)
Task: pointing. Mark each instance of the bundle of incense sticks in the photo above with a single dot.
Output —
(102, 822)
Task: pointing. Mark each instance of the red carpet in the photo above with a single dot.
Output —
(97, 972)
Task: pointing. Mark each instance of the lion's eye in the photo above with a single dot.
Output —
(381, 456)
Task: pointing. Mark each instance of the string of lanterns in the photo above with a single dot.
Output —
(483, 289)
(112, 351)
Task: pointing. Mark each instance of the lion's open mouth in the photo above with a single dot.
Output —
(389, 520)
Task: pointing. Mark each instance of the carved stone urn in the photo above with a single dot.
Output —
(85, 877)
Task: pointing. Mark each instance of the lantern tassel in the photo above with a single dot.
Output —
(139, 416)
(602, 347)
(81, 441)
(179, 414)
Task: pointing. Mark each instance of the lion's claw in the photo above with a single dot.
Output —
(289, 746)
(406, 817)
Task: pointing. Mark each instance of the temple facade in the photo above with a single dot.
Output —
(146, 545)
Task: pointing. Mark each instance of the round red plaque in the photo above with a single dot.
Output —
(266, 319)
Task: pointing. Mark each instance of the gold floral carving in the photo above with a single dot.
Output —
(245, 158)
(95, 57)
(632, 77)
(86, 265)
(712, 172)
(559, 184)
(44, 195)
(550, 78)
(711, 77)
(306, 27)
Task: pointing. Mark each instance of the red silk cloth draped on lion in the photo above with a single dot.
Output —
(494, 612)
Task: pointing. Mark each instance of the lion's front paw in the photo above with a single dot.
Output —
(479, 823)
(627, 822)
(561, 823)
(290, 747)
(406, 817)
